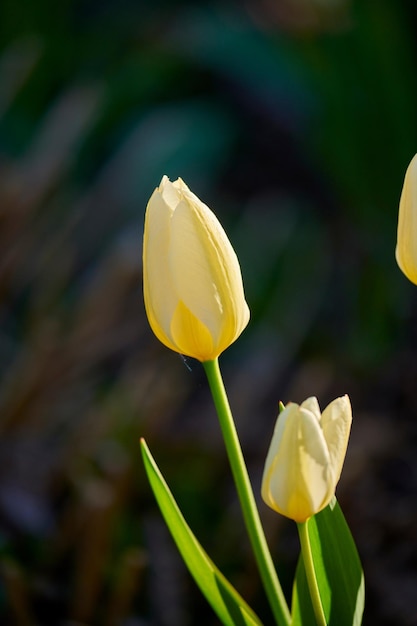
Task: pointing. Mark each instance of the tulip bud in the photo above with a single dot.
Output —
(305, 458)
(192, 283)
(406, 250)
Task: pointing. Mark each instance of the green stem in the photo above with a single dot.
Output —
(311, 574)
(247, 500)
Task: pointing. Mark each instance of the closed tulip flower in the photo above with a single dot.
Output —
(305, 459)
(406, 251)
(192, 283)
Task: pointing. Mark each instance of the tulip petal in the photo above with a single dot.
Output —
(296, 481)
(169, 193)
(190, 335)
(335, 422)
(205, 271)
(312, 405)
(406, 250)
(159, 295)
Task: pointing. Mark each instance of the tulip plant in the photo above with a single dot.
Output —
(195, 303)
(406, 250)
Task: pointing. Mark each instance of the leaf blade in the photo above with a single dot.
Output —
(336, 560)
(229, 606)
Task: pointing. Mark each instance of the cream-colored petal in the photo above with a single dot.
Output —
(190, 335)
(277, 436)
(312, 404)
(169, 193)
(336, 421)
(231, 290)
(159, 295)
(406, 250)
(296, 481)
(205, 271)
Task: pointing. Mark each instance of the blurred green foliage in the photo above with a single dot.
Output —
(294, 121)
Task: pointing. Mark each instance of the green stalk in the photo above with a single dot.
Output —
(311, 574)
(247, 500)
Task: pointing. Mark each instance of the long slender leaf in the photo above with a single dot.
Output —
(338, 570)
(230, 608)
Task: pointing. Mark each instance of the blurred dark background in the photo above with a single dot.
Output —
(294, 120)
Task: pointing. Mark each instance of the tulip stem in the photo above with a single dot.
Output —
(247, 500)
(311, 574)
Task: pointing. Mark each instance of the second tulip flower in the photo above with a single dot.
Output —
(305, 458)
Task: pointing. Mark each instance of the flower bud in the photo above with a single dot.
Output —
(305, 458)
(192, 283)
(406, 250)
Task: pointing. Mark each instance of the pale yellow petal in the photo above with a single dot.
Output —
(406, 250)
(277, 436)
(312, 404)
(335, 422)
(205, 271)
(190, 336)
(169, 193)
(159, 295)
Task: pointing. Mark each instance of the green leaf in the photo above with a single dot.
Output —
(338, 570)
(230, 608)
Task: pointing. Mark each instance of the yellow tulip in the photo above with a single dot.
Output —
(305, 459)
(192, 283)
(406, 250)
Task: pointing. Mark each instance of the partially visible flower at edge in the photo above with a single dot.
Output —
(192, 283)
(406, 250)
(306, 456)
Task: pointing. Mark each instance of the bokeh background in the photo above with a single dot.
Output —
(294, 120)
